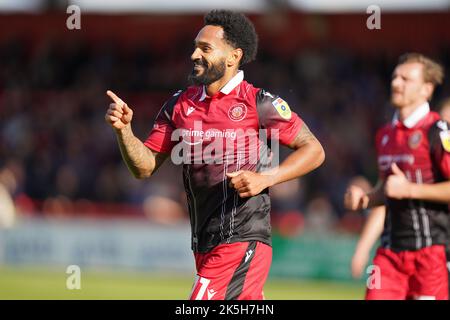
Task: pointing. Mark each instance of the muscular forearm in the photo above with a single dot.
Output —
(138, 158)
(307, 156)
(438, 192)
(300, 162)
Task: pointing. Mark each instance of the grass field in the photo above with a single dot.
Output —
(40, 283)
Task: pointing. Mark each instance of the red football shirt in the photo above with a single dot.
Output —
(212, 136)
(418, 147)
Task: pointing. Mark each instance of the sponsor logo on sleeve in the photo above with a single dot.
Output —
(283, 108)
(445, 139)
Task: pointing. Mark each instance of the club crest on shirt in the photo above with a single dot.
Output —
(415, 139)
(283, 108)
(445, 139)
(237, 112)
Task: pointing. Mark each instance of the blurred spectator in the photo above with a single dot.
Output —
(287, 196)
(163, 210)
(320, 216)
(286, 216)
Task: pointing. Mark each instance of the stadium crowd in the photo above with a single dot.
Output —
(58, 156)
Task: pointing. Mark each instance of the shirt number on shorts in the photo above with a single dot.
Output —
(203, 288)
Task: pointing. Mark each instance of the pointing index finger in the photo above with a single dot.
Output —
(114, 97)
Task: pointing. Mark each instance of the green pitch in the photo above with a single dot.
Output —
(40, 283)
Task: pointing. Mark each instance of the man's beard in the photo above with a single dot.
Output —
(210, 73)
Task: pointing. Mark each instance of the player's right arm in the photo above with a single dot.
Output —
(140, 160)
(356, 198)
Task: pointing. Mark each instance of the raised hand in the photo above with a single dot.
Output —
(355, 198)
(397, 185)
(119, 115)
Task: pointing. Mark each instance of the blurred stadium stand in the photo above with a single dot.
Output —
(58, 158)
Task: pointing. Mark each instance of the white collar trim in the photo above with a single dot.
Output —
(233, 83)
(414, 117)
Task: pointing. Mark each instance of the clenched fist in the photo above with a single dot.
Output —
(119, 115)
(355, 198)
(248, 183)
(397, 184)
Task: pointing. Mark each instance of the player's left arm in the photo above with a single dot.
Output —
(399, 187)
(308, 155)
(438, 192)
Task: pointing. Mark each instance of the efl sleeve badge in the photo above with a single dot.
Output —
(445, 139)
(282, 108)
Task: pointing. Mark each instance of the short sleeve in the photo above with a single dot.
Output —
(439, 137)
(160, 138)
(274, 114)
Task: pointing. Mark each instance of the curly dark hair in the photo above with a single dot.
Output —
(239, 32)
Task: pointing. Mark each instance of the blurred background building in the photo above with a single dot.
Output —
(59, 159)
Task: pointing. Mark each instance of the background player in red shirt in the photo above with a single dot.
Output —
(414, 165)
(444, 111)
(373, 226)
(227, 190)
